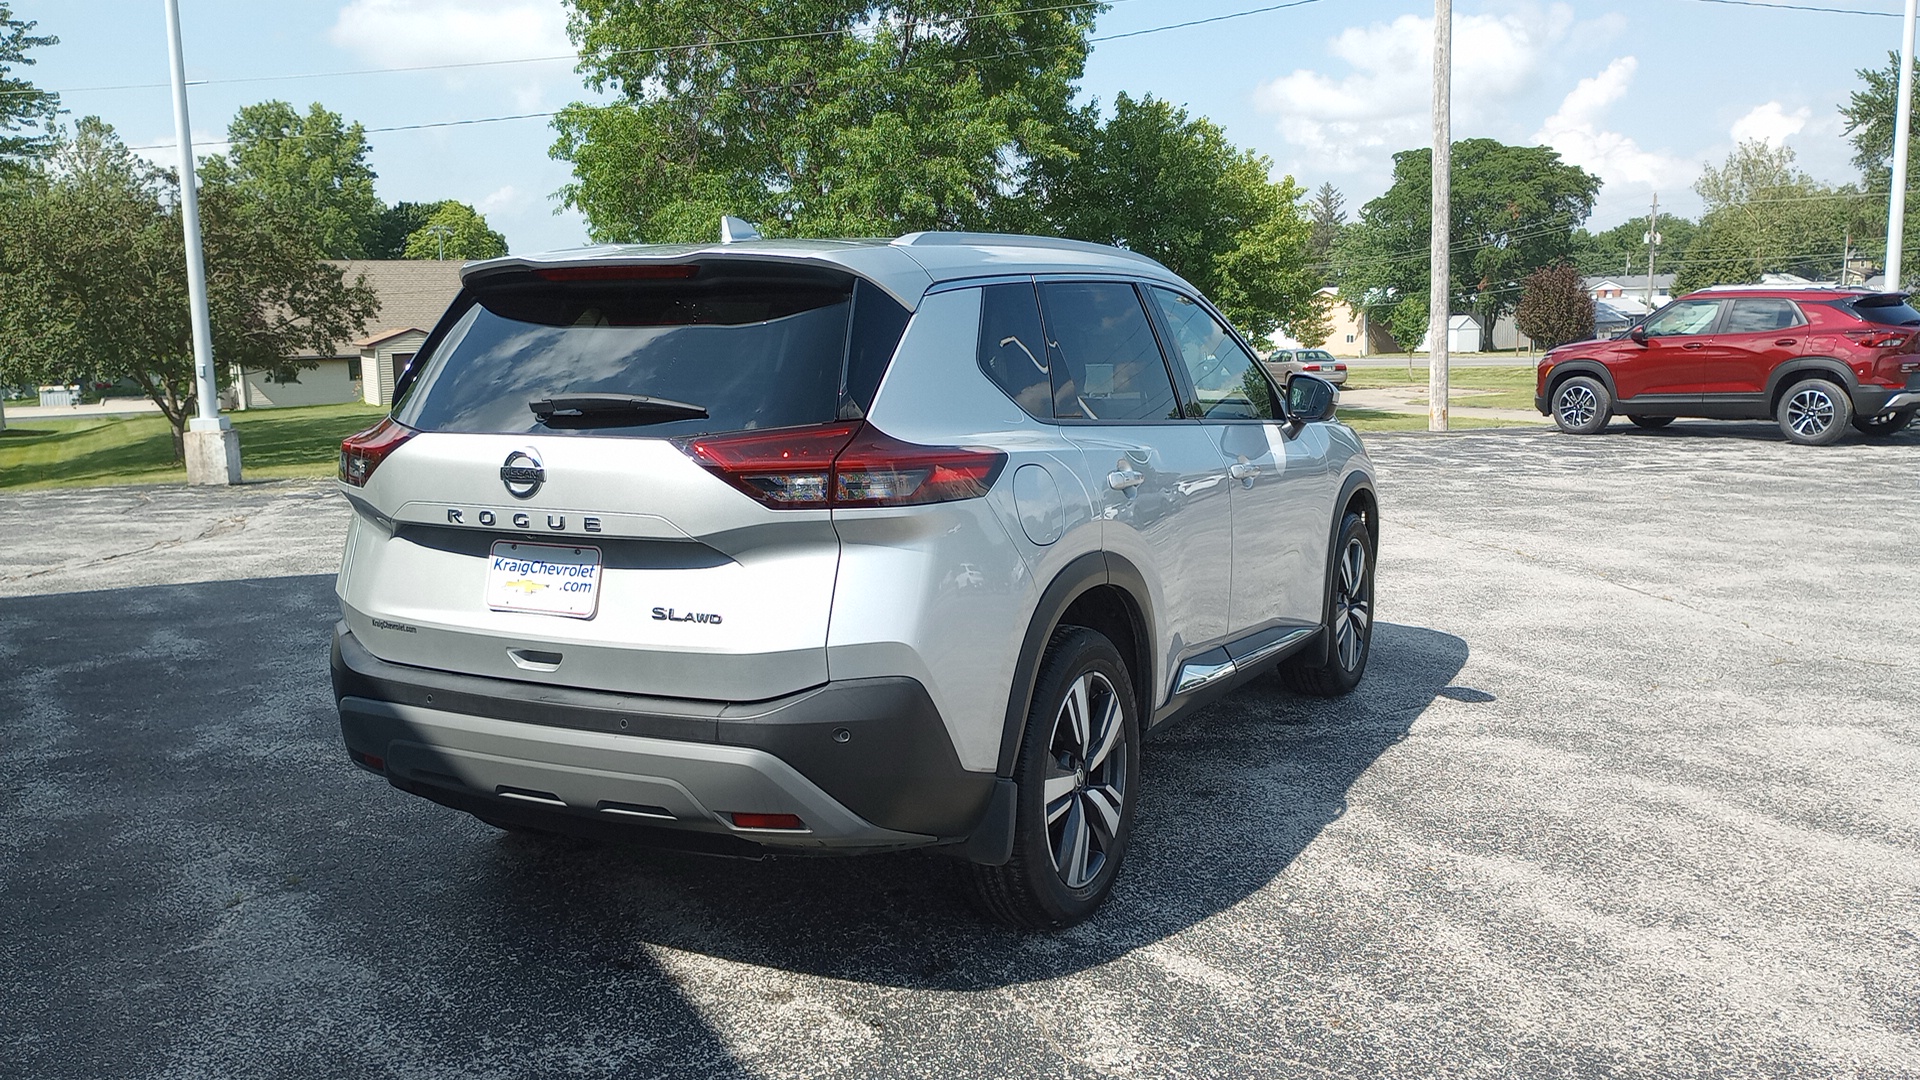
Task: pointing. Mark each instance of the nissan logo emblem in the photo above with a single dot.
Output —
(522, 474)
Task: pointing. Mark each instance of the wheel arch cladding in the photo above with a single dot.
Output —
(1102, 592)
(1808, 367)
(1568, 369)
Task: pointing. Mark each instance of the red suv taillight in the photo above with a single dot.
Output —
(841, 466)
(362, 453)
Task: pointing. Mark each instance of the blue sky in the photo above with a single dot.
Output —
(1641, 92)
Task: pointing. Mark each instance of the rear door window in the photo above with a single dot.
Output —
(1013, 347)
(1760, 315)
(1102, 356)
(755, 347)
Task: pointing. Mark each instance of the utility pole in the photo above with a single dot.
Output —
(1902, 124)
(212, 446)
(1653, 245)
(1439, 287)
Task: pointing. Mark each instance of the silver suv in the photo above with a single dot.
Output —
(824, 547)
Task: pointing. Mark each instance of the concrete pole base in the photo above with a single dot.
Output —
(213, 455)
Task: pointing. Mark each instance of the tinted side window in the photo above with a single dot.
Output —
(1685, 317)
(1226, 381)
(1758, 316)
(1102, 355)
(1013, 348)
(1885, 310)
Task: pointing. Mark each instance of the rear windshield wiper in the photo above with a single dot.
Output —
(595, 410)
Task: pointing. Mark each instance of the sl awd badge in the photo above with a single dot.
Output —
(523, 474)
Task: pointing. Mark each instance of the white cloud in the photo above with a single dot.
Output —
(1771, 124)
(1385, 101)
(407, 33)
(507, 198)
(1578, 132)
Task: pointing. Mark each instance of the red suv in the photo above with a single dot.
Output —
(1816, 360)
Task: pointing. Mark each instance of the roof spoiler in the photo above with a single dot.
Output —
(1885, 299)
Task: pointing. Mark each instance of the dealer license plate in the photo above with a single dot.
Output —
(547, 579)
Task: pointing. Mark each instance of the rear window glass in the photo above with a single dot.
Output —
(1013, 348)
(1882, 311)
(755, 349)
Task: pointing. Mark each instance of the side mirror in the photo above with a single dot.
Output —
(1310, 399)
(1638, 334)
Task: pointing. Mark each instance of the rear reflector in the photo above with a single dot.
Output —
(844, 466)
(361, 454)
(377, 764)
(766, 821)
(677, 272)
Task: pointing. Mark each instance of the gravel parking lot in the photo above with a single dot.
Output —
(1630, 791)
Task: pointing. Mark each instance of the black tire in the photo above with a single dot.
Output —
(1335, 670)
(1879, 427)
(1582, 406)
(1063, 869)
(1814, 412)
(1651, 423)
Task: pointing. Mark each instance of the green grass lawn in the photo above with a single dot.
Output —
(1368, 420)
(97, 451)
(1510, 387)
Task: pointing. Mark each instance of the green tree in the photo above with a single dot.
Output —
(1764, 215)
(1328, 210)
(1407, 320)
(23, 107)
(814, 117)
(397, 222)
(1154, 180)
(92, 263)
(1622, 250)
(1514, 210)
(1314, 327)
(1870, 118)
(454, 231)
(310, 168)
(1554, 307)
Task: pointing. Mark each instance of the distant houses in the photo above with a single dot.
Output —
(413, 294)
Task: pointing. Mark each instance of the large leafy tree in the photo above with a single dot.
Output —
(815, 117)
(1154, 180)
(1622, 250)
(311, 168)
(1765, 215)
(93, 267)
(1870, 122)
(1328, 210)
(454, 231)
(1554, 308)
(1514, 210)
(26, 112)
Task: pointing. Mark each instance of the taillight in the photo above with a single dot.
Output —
(1878, 339)
(361, 454)
(1339, 367)
(1311, 367)
(842, 466)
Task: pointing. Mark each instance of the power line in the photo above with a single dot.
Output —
(688, 47)
(1800, 7)
(369, 131)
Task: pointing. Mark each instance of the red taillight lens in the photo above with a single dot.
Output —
(1878, 339)
(787, 469)
(878, 470)
(842, 466)
(361, 454)
(1339, 367)
(1311, 367)
(767, 821)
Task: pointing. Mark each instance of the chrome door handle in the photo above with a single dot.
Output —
(1241, 470)
(1122, 479)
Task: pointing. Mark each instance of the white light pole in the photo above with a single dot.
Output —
(1439, 286)
(1902, 123)
(212, 446)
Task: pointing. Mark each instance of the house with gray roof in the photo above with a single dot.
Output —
(412, 293)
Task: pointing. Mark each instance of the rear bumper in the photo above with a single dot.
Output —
(1874, 400)
(864, 764)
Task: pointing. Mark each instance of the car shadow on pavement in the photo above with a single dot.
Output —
(194, 876)
(1230, 798)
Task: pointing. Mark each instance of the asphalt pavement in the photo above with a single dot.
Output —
(1629, 791)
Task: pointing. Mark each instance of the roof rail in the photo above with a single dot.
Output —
(1792, 286)
(1055, 243)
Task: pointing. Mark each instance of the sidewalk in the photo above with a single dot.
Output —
(109, 407)
(1412, 401)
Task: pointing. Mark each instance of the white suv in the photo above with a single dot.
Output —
(822, 547)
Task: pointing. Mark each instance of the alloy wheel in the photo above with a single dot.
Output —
(1578, 405)
(1085, 786)
(1810, 412)
(1352, 605)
